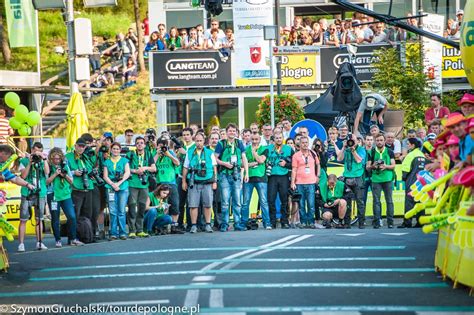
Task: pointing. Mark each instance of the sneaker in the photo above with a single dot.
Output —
(176, 230)
(208, 228)
(404, 225)
(193, 229)
(142, 234)
(123, 237)
(318, 226)
(132, 235)
(390, 226)
(59, 244)
(312, 226)
(223, 228)
(285, 226)
(77, 243)
(268, 227)
(41, 246)
(21, 247)
(377, 226)
(112, 238)
(239, 227)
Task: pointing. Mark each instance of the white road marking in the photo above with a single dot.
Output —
(192, 297)
(216, 298)
(204, 278)
(396, 234)
(351, 234)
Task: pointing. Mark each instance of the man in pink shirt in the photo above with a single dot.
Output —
(304, 177)
(436, 111)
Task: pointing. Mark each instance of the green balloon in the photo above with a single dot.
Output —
(24, 130)
(12, 99)
(21, 113)
(33, 118)
(14, 123)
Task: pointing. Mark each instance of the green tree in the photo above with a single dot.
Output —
(286, 106)
(403, 82)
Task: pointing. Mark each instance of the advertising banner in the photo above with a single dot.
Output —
(252, 50)
(21, 23)
(333, 57)
(453, 66)
(432, 50)
(184, 69)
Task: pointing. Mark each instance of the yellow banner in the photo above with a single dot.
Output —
(453, 66)
(295, 70)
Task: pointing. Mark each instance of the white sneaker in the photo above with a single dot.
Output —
(21, 247)
(77, 243)
(59, 244)
(40, 245)
(269, 227)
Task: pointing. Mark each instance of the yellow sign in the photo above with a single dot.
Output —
(295, 70)
(453, 66)
(11, 208)
(467, 41)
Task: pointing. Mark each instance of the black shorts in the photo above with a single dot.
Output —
(334, 210)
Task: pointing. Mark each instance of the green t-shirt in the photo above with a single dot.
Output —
(330, 195)
(136, 161)
(382, 176)
(165, 170)
(259, 170)
(352, 169)
(79, 163)
(155, 202)
(116, 169)
(61, 187)
(275, 156)
(31, 178)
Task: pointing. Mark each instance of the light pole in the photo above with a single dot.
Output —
(270, 34)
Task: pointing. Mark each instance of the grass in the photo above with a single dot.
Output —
(116, 110)
(52, 33)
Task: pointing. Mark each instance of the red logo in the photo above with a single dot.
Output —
(255, 54)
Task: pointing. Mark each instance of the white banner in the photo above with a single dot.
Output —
(251, 49)
(433, 51)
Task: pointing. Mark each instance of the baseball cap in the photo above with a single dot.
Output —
(374, 126)
(454, 119)
(107, 134)
(431, 136)
(81, 142)
(459, 12)
(453, 140)
(466, 98)
(151, 130)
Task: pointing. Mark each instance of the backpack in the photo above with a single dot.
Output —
(84, 230)
(252, 224)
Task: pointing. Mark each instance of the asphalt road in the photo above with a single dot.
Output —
(272, 272)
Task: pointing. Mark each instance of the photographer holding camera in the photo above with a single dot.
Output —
(278, 168)
(200, 181)
(166, 162)
(150, 141)
(382, 165)
(335, 206)
(141, 164)
(34, 170)
(256, 157)
(370, 112)
(61, 180)
(116, 174)
(188, 143)
(353, 156)
(230, 155)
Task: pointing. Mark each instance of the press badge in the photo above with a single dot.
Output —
(54, 206)
(307, 170)
(111, 196)
(233, 159)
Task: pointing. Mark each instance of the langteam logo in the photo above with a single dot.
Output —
(192, 66)
(362, 60)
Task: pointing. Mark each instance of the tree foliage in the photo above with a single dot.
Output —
(286, 106)
(403, 82)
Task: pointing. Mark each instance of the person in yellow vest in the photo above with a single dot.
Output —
(428, 145)
(413, 163)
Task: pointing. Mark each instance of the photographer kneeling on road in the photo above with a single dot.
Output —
(382, 165)
(353, 156)
(335, 206)
(35, 171)
(200, 177)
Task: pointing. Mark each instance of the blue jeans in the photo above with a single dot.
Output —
(262, 198)
(230, 189)
(118, 218)
(68, 208)
(307, 192)
(151, 221)
(367, 121)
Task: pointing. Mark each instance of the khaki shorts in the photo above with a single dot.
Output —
(27, 203)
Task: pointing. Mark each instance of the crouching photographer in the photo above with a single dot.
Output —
(34, 170)
(141, 165)
(61, 180)
(156, 217)
(334, 204)
(116, 174)
(353, 156)
(200, 180)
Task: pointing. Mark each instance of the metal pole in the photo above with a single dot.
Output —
(277, 43)
(73, 86)
(272, 102)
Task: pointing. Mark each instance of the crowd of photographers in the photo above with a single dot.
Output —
(146, 185)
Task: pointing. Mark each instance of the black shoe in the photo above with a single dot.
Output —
(176, 230)
(376, 226)
(404, 225)
(361, 225)
(390, 226)
(347, 226)
(418, 225)
(285, 226)
(274, 226)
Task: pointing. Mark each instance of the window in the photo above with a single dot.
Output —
(226, 110)
(250, 108)
(187, 111)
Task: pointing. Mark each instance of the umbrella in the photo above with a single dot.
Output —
(77, 122)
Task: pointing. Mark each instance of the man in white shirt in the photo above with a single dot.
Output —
(214, 25)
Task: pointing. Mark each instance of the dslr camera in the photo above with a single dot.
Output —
(235, 171)
(295, 195)
(85, 178)
(36, 159)
(94, 174)
(177, 143)
(268, 170)
(118, 176)
(192, 175)
(378, 163)
(202, 168)
(350, 142)
(63, 168)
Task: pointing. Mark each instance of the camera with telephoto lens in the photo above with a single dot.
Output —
(192, 173)
(36, 159)
(268, 170)
(150, 138)
(164, 145)
(350, 142)
(143, 179)
(177, 144)
(202, 169)
(294, 194)
(104, 149)
(88, 151)
(94, 174)
(235, 171)
(63, 168)
(378, 163)
(85, 178)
